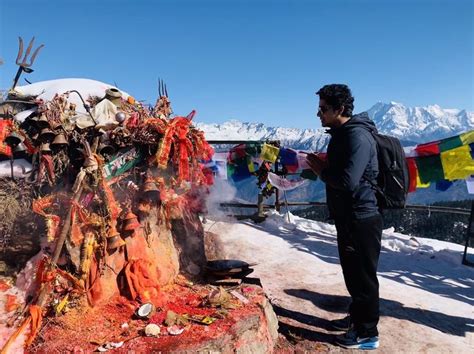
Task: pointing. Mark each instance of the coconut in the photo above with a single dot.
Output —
(145, 310)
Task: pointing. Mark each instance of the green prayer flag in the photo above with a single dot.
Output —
(253, 149)
(309, 174)
(450, 143)
(429, 168)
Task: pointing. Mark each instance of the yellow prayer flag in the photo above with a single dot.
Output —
(250, 164)
(269, 153)
(457, 163)
(467, 138)
(420, 184)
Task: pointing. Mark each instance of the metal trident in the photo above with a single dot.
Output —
(162, 90)
(23, 64)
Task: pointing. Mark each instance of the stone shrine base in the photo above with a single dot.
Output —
(245, 325)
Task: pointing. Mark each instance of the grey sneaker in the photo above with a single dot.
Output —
(342, 324)
(352, 340)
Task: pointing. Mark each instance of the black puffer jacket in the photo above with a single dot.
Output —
(352, 163)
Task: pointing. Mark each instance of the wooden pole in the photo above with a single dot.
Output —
(469, 236)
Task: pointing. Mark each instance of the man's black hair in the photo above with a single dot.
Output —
(338, 95)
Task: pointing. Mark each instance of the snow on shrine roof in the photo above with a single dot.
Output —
(87, 87)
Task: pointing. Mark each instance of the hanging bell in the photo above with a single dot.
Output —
(19, 150)
(115, 242)
(150, 186)
(13, 139)
(46, 135)
(45, 148)
(130, 222)
(33, 121)
(150, 190)
(42, 122)
(105, 149)
(59, 141)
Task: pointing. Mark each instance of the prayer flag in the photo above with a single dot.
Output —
(238, 172)
(251, 165)
(413, 173)
(429, 168)
(289, 159)
(450, 143)
(470, 184)
(269, 153)
(284, 184)
(301, 156)
(443, 185)
(221, 169)
(253, 149)
(427, 149)
(457, 163)
(309, 174)
(419, 184)
(467, 138)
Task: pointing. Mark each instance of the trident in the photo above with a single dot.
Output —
(24, 65)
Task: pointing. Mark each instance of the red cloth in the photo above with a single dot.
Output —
(428, 149)
(413, 172)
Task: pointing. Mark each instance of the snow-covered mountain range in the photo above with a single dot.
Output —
(411, 125)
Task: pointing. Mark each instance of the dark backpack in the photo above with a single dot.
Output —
(393, 179)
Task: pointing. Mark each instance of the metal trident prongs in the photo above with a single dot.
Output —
(23, 64)
(162, 89)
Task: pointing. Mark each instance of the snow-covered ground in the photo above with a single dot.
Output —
(427, 295)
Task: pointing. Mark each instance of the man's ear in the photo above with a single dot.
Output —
(340, 111)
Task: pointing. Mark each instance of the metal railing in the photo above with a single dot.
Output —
(260, 206)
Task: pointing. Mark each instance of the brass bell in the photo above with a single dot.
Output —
(13, 139)
(46, 135)
(45, 148)
(150, 186)
(113, 232)
(114, 242)
(59, 141)
(130, 222)
(150, 189)
(42, 122)
(105, 149)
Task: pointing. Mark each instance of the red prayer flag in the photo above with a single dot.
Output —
(412, 170)
(428, 149)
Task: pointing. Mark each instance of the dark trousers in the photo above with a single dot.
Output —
(358, 242)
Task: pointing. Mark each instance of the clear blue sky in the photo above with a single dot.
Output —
(252, 60)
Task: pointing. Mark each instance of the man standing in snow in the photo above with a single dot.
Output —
(350, 168)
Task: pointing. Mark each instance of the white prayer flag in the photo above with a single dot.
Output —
(470, 184)
(284, 184)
